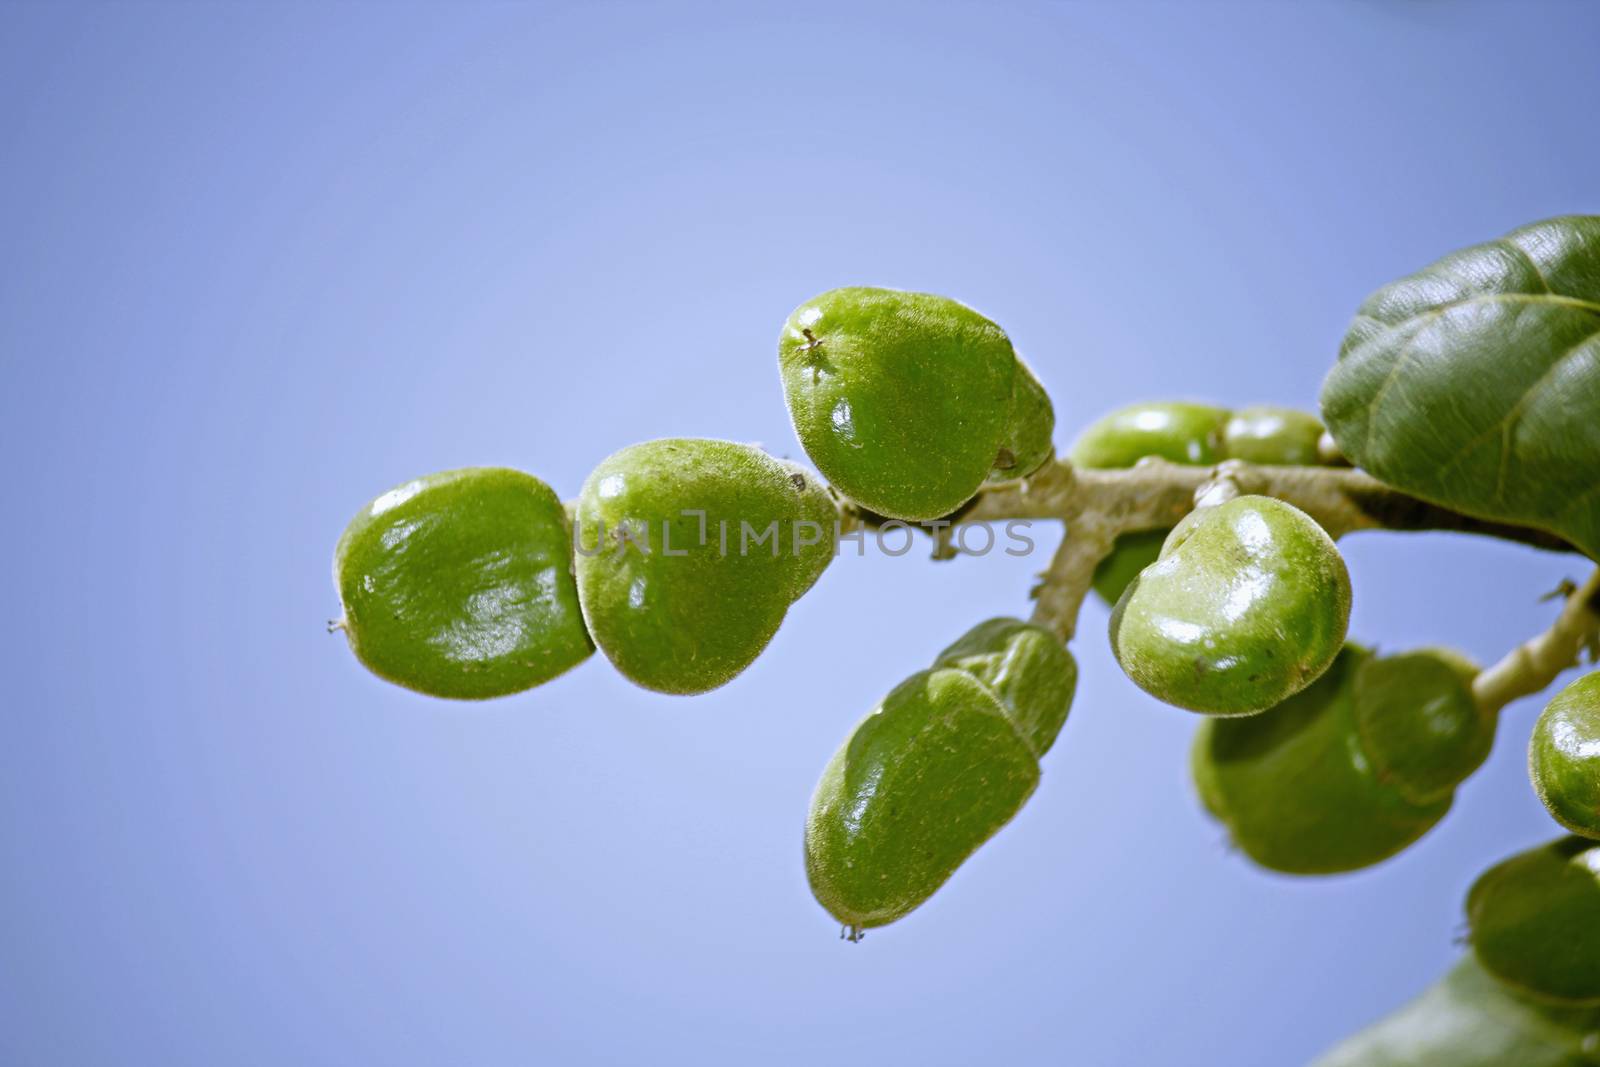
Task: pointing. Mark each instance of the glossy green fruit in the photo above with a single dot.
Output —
(942, 764)
(1027, 442)
(1272, 436)
(1302, 788)
(1178, 431)
(1246, 606)
(1564, 756)
(690, 552)
(460, 585)
(902, 400)
(1535, 921)
(1471, 1020)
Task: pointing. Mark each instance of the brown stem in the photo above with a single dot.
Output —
(1534, 664)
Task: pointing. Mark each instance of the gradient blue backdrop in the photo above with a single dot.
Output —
(259, 265)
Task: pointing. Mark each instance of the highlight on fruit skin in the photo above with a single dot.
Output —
(1246, 606)
(1564, 756)
(1349, 771)
(1535, 921)
(904, 401)
(945, 761)
(460, 585)
(690, 552)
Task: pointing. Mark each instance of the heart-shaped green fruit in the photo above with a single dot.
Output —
(460, 585)
(1314, 786)
(1027, 668)
(1177, 431)
(690, 552)
(1564, 756)
(924, 780)
(1027, 442)
(1272, 436)
(1246, 606)
(1535, 921)
(1469, 1019)
(902, 400)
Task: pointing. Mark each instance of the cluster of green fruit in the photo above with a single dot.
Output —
(1317, 754)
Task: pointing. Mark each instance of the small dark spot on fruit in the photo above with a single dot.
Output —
(1004, 459)
(799, 480)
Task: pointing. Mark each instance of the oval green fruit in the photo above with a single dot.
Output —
(460, 585)
(1027, 442)
(1177, 431)
(1297, 786)
(1535, 921)
(1564, 756)
(932, 773)
(1273, 436)
(902, 400)
(1469, 1019)
(1028, 670)
(1246, 606)
(690, 552)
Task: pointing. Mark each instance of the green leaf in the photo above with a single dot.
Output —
(1475, 383)
(1471, 1020)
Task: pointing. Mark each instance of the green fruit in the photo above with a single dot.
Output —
(1177, 431)
(690, 552)
(460, 585)
(1246, 606)
(902, 400)
(1027, 668)
(1027, 442)
(925, 779)
(942, 764)
(1471, 1020)
(1273, 436)
(1535, 921)
(1301, 787)
(1564, 756)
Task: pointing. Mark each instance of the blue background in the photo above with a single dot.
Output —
(260, 265)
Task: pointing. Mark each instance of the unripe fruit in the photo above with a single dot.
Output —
(1177, 431)
(902, 400)
(1246, 606)
(1535, 921)
(1027, 443)
(1273, 436)
(460, 585)
(941, 765)
(1564, 756)
(690, 552)
(1314, 786)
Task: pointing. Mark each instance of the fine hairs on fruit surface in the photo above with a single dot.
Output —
(1465, 398)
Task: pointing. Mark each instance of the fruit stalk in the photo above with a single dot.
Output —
(1534, 664)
